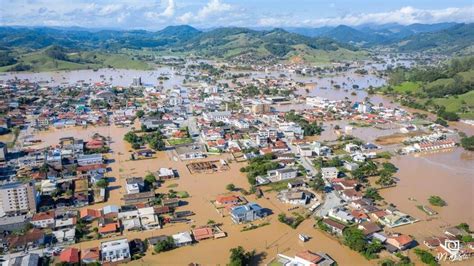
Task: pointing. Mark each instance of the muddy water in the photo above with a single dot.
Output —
(448, 174)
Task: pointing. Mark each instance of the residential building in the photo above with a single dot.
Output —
(217, 116)
(282, 174)
(182, 239)
(149, 219)
(3, 152)
(334, 227)
(16, 198)
(396, 218)
(90, 255)
(115, 251)
(43, 220)
(31, 259)
(400, 241)
(306, 258)
(246, 213)
(295, 197)
(88, 159)
(329, 172)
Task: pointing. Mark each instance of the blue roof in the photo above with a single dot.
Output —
(245, 208)
(110, 208)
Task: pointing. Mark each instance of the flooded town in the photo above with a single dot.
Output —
(290, 146)
(208, 162)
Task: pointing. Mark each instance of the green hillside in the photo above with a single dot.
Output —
(42, 60)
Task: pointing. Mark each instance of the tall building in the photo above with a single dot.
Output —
(17, 198)
(3, 152)
(137, 81)
(260, 107)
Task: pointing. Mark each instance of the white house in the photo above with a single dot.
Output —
(306, 258)
(182, 239)
(282, 174)
(329, 172)
(115, 250)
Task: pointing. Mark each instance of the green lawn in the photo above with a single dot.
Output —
(455, 104)
(174, 142)
(408, 86)
(41, 62)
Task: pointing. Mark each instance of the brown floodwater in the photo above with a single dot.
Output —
(448, 174)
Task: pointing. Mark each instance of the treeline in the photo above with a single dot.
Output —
(437, 82)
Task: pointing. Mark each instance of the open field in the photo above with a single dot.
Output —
(321, 57)
(40, 62)
(408, 87)
(457, 103)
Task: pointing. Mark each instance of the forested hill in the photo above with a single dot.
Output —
(34, 48)
(447, 90)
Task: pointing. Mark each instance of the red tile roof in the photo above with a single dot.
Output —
(43, 216)
(202, 233)
(108, 228)
(226, 199)
(403, 239)
(90, 254)
(309, 256)
(70, 255)
(90, 212)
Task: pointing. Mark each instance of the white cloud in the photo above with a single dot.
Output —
(168, 12)
(405, 16)
(212, 8)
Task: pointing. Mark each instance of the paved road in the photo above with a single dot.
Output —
(332, 200)
(307, 164)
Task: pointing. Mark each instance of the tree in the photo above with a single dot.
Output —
(164, 245)
(354, 239)
(230, 187)
(140, 113)
(468, 143)
(239, 257)
(441, 121)
(437, 201)
(389, 167)
(102, 183)
(372, 249)
(426, 257)
(373, 194)
(150, 179)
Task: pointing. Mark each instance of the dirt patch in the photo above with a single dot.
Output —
(396, 138)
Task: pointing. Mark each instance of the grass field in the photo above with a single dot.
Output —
(456, 103)
(407, 86)
(321, 57)
(179, 141)
(40, 62)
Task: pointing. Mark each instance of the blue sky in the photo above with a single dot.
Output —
(154, 15)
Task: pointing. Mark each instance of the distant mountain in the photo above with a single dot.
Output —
(326, 44)
(450, 40)
(216, 43)
(310, 32)
(182, 32)
(369, 35)
(230, 42)
(346, 34)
